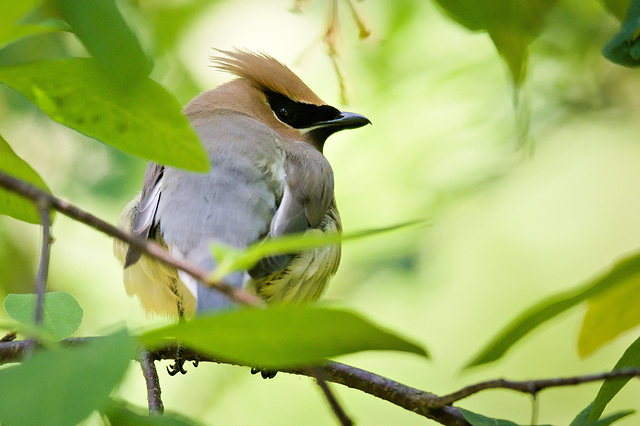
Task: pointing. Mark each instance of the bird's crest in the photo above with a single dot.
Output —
(266, 73)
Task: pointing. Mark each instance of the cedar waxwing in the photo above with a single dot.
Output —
(264, 132)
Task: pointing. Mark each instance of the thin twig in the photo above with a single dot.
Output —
(337, 409)
(331, 36)
(532, 386)
(150, 373)
(149, 248)
(364, 32)
(44, 209)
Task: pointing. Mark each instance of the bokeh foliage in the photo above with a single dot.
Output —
(438, 93)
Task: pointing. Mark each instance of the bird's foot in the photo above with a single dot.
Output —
(178, 364)
(266, 374)
(176, 367)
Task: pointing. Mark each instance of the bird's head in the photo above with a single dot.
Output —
(270, 92)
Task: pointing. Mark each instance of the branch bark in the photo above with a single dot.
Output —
(150, 373)
(532, 387)
(337, 409)
(149, 248)
(434, 407)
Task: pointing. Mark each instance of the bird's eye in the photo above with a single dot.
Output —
(286, 110)
(284, 114)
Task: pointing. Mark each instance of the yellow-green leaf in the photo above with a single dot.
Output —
(63, 386)
(610, 314)
(106, 35)
(512, 25)
(282, 337)
(145, 120)
(122, 413)
(11, 203)
(610, 387)
(11, 25)
(553, 306)
(617, 8)
(230, 259)
(61, 314)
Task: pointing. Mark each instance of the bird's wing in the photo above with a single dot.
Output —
(306, 199)
(308, 192)
(149, 199)
(232, 205)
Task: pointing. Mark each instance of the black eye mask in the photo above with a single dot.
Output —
(299, 115)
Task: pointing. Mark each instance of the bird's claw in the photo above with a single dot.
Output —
(266, 374)
(177, 367)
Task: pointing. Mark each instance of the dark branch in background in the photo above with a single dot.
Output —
(404, 396)
(148, 366)
(337, 409)
(149, 248)
(533, 386)
(43, 206)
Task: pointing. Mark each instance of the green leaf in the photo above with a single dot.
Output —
(105, 34)
(610, 387)
(145, 120)
(582, 419)
(480, 420)
(553, 306)
(623, 48)
(612, 418)
(63, 386)
(583, 416)
(12, 204)
(124, 414)
(12, 25)
(170, 19)
(282, 337)
(512, 25)
(62, 314)
(617, 8)
(610, 314)
(230, 259)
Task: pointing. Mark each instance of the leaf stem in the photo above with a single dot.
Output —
(44, 208)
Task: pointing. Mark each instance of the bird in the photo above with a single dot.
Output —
(264, 132)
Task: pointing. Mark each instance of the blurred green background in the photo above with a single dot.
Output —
(512, 220)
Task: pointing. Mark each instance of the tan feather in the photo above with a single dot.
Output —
(266, 74)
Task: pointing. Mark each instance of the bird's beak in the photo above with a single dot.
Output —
(321, 130)
(345, 120)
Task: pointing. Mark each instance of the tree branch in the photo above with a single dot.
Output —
(150, 373)
(337, 409)
(423, 403)
(149, 248)
(532, 386)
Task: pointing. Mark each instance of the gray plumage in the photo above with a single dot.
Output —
(268, 178)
